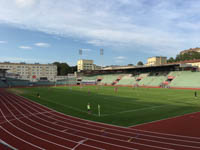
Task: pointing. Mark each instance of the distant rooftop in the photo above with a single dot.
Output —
(23, 63)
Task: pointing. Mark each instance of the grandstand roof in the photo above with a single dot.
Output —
(140, 67)
(133, 69)
(35, 64)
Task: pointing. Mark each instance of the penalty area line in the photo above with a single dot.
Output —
(134, 110)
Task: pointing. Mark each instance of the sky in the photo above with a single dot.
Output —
(129, 31)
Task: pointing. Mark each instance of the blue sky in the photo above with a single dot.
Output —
(128, 30)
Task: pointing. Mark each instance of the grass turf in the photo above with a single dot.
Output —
(126, 107)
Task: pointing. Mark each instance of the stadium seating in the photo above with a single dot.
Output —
(109, 79)
(175, 73)
(152, 81)
(127, 80)
(89, 77)
(186, 79)
(143, 75)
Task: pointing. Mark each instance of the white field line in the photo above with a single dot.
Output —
(71, 134)
(70, 107)
(30, 133)
(131, 127)
(165, 118)
(99, 123)
(17, 136)
(134, 110)
(102, 115)
(137, 138)
(105, 115)
(121, 112)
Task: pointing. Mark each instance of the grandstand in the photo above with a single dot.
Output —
(109, 79)
(153, 76)
(127, 80)
(186, 79)
(152, 80)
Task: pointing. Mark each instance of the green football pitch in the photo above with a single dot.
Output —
(126, 107)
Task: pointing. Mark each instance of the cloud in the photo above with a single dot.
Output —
(25, 47)
(3, 42)
(42, 45)
(120, 58)
(96, 42)
(153, 25)
(86, 49)
(25, 3)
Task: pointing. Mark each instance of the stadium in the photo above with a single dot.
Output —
(99, 75)
(144, 107)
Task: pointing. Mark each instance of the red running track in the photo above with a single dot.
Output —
(25, 124)
(185, 125)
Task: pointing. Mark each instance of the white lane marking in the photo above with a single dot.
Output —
(79, 143)
(30, 133)
(19, 137)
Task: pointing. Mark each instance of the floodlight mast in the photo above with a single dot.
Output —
(80, 53)
(101, 54)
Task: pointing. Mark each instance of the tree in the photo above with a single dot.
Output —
(130, 65)
(140, 63)
(171, 60)
(64, 68)
(187, 56)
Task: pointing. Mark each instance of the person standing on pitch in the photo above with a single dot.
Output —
(38, 95)
(116, 89)
(99, 110)
(195, 93)
(88, 108)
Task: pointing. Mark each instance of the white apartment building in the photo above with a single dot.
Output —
(31, 72)
(157, 60)
(84, 64)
